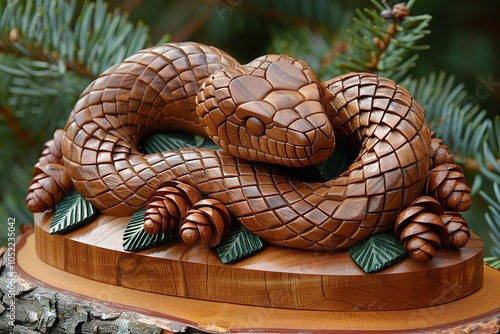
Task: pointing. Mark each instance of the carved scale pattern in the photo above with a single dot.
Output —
(156, 90)
(152, 90)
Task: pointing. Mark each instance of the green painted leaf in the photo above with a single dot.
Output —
(73, 211)
(377, 252)
(239, 245)
(136, 239)
(492, 261)
(174, 140)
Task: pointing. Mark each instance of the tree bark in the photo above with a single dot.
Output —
(28, 307)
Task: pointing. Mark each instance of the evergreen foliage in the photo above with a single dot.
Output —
(372, 44)
(385, 47)
(462, 126)
(51, 49)
(50, 31)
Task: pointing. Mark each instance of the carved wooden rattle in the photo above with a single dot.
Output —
(273, 110)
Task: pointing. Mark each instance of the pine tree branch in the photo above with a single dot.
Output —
(384, 41)
(340, 47)
(472, 165)
(87, 40)
(462, 126)
(493, 217)
(382, 44)
(36, 52)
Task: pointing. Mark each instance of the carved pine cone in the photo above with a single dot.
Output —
(206, 223)
(51, 154)
(440, 153)
(420, 228)
(448, 186)
(168, 207)
(50, 182)
(48, 187)
(457, 230)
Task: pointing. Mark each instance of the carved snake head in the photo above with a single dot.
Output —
(270, 110)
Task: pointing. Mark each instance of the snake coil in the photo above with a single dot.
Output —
(272, 110)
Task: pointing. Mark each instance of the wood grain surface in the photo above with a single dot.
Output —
(276, 277)
(272, 110)
(478, 310)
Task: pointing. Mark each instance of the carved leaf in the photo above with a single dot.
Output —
(72, 212)
(239, 245)
(174, 140)
(136, 239)
(377, 252)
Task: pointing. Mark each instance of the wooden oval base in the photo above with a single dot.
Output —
(276, 277)
(478, 312)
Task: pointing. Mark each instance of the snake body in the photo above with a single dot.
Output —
(271, 110)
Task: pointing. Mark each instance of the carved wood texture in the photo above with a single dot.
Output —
(272, 110)
(277, 277)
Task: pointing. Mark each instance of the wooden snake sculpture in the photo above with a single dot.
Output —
(272, 110)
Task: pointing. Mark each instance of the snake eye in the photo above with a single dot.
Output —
(255, 126)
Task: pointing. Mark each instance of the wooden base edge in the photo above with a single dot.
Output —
(275, 277)
(478, 311)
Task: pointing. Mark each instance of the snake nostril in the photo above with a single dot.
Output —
(255, 126)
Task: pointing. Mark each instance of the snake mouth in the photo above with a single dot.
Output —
(299, 135)
(301, 147)
(298, 157)
(299, 142)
